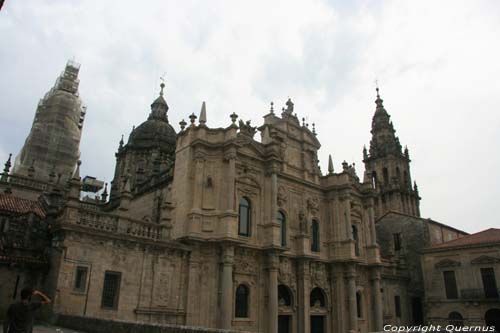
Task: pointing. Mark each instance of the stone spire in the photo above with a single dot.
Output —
(203, 114)
(159, 107)
(330, 165)
(8, 164)
(389, 167)
(384, 141)
(6, 169)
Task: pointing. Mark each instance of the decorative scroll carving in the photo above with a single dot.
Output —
(313, 204)
(282, 196)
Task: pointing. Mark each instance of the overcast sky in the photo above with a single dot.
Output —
(437, 64)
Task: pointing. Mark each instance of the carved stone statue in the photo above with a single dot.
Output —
(303, 225)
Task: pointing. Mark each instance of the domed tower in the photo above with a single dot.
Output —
(147, 160)
(52, 146)
(389, 167)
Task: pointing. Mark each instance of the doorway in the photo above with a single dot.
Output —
(492, 318)
(284, 324)
(416, 309)
(317, 324)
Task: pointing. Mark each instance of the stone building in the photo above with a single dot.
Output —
(233, 227)
(402, 237)
(462, 278)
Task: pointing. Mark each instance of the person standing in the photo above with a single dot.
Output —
(20, 315)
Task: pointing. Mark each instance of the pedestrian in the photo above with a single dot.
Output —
(20, 315)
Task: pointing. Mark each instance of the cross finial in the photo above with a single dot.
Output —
(376, 88)
(162, 84)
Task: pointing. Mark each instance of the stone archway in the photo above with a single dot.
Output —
(318, 310)
(285, 310)
(492, 318)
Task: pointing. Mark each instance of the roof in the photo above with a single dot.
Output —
(11, 204)
(428, 220)
(484, 237)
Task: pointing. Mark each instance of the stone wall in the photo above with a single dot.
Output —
(95, 325)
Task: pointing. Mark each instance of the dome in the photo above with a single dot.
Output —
(151, 133)
(156, 130)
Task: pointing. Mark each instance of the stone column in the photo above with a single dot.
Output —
(303, 297)
(226, 304)
(351, 296)
(371, 221)
(273, 293)
(231, 178)
(347, 211)
(377, 301)
(193, 304)
(198, 180)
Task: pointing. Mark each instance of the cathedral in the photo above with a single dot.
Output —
(232, 227)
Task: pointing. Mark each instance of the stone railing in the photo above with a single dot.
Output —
(91, 218)
(24, 181)
(96, 325)
(478, 294)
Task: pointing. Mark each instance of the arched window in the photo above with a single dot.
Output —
(317, 298)
(244, 217)
(315, 236)
(355, 237)
(374, 179)
(359, 304)
(284, 295)
(241, 303)
(386, 175)
(282, 221)
(455, 319)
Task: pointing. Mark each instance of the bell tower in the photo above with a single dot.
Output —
(388, 166)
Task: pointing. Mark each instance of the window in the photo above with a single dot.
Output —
(284, 296)
(317, 298)
(456, 319)
(397, 306)
(397, 241)
(111, 290)
(385, 173)
(241, 304)
(315, 236)
(81, 278)
(355, 237)
(281, 220)
(244, 217)
(374, 179)
(359, 304)
(450, 284)
(489, 283)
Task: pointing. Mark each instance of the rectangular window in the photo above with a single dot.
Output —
(450, 284)
(397, 306)
(397, 241)
(111, 290)
(81, 278)
(489, 283)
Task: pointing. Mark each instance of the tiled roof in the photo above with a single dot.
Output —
(11, 204)
(487, 236)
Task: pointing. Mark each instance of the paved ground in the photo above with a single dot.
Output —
(52, 329)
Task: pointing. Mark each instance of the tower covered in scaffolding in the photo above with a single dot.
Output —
(52, 146)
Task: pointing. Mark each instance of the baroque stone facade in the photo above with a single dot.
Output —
(212, 227)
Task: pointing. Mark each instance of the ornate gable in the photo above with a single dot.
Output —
(484, 259)
(447, 263)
